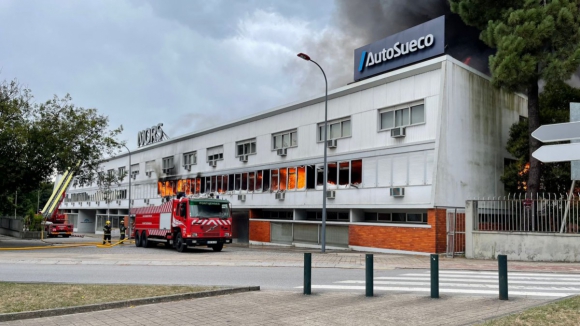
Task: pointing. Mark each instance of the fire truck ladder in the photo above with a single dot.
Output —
(57, 195)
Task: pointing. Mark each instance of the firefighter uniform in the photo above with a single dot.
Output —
(107, 232)
(122, 229)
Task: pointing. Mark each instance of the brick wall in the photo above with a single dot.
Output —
(431, 240)
(259, 231)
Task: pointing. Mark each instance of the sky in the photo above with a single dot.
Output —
(189, 64)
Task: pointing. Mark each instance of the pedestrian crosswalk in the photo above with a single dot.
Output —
(469, 283)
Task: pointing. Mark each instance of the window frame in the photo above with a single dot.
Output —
(187, 159)
(282, 134)
(320, 125)
(220, 155)
(249, 142)
(401, 107)
(170, 160)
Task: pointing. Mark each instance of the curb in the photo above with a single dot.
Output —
(121, 304)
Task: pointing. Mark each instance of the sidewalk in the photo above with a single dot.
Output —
(287, 308)
(256, 256)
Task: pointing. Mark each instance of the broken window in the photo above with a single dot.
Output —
(274, 178)
(332, 174)
(238, 182)
(244, 181)
(251, 181)
(343, 173)
(301, 177)
(259, 181)
(283, 179)
(231, 179)
(319, 175)
(356, 172)
(266, 180)
(291, 178)
(310, 177)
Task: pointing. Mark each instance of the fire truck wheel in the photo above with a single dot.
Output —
(179, 243)
(137, 240)
(218, 247)
(144, 241)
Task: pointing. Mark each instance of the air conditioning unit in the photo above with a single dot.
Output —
(282, 151)
(134, 174)
(80, 203)
(187, 167)
(118, 202)
(331, 194)
(242, 197)
(398, 132)
(397, 192)
(146, 201)
(212, 163)
(331, 143)
(168, 170)
(132, 202)
(148, 173)
(88, 203)
(98, 203)
(280, 195)
(243, 158)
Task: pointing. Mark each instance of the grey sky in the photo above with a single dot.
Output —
(188, 64)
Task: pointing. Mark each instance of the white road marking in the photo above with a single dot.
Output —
(448, 279)
(510, 273)
(510, 277)
(488, 286)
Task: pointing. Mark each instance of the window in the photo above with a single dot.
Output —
(246, 147)
(342, 216)
(189, 159)
(215, 153)
(110, 173)
(285, 139)
(149, 166)
(402, 116)
(336, 129)
(167, 164)
(278, 215)
(374, 217)
(134, 169)
(121, 172)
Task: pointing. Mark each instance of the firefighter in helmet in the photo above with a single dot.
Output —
(122, 229)
(107, 232)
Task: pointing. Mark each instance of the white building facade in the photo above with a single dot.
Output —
(405, 146)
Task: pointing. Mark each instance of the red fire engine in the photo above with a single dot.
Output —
(55, 224)
(184, 222)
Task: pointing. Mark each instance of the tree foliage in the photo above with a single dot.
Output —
(39, 140)
(535, 40)
(555, 177)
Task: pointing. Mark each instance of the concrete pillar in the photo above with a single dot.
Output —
(470, 216)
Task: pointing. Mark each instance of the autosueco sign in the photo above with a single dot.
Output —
(409, 46)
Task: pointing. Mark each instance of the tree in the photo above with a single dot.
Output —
(535, 40)
(555, 177)
(39, 140)
(26, 201)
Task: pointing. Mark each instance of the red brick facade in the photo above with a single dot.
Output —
(431, 240)
(259, 231)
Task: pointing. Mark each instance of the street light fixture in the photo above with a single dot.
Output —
(129, 193)
(325, 169)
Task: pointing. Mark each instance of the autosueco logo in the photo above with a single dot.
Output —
(399, 49)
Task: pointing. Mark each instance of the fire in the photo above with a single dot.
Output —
(467, 61)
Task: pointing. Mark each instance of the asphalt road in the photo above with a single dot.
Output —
(268, 278)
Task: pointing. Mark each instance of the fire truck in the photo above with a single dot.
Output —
(55, 224)
(184, 222)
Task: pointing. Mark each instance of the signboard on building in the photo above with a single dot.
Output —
(409, 46)
(151, 135)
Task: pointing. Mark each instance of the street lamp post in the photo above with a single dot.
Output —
(325, 168)
(129, 193)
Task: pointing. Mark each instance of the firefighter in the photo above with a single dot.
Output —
(107, 232)
(122, 229)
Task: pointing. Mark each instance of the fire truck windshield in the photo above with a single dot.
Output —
(209, 210)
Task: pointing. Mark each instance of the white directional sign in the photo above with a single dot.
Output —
(558, 153)
(557, 132)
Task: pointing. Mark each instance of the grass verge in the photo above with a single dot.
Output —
(563, 312)
(19, 297)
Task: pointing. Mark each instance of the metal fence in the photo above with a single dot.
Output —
(544, 213)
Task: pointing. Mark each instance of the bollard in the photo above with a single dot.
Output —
(369, 275)
(503, 277)
(434, 276)
(307, 273)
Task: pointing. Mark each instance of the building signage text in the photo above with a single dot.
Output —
(409, 46)
(151, 135)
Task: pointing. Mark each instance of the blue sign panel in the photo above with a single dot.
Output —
(409, 46)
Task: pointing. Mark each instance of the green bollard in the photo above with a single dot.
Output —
(369, 275)
(503, 277)
(307, 273)
(434, 276)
